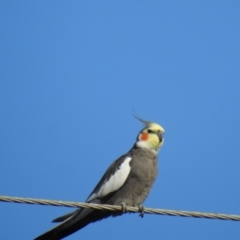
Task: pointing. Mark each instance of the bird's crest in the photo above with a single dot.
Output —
(148, 124)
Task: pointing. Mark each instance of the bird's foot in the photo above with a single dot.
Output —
(124, 207)
(141, 210)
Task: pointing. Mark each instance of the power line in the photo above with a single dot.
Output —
(120, 208)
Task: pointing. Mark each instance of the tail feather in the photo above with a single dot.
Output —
(72, 224)
(64, 217)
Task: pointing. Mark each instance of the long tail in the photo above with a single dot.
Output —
(75, 221)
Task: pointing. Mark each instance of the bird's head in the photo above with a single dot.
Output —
(151, 136)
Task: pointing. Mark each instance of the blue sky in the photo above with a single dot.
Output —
(71, 74)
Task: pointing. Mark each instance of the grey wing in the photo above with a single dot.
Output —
(106, 185)
(113, 179)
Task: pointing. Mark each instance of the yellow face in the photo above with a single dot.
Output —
(151, 137)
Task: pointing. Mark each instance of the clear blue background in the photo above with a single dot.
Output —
(71, 73)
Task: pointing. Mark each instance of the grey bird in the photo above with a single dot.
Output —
(127, 182)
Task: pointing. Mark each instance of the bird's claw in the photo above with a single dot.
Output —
(141, 210)
(124, 207)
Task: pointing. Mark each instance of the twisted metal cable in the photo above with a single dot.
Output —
(120, 208)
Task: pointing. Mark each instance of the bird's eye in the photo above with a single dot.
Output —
(150, 131)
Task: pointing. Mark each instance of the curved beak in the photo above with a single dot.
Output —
(160, 136)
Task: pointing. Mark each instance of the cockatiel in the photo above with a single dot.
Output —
(126, 182)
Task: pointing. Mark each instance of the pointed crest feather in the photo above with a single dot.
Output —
(145, 122)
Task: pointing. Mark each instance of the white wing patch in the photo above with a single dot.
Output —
(115, 181)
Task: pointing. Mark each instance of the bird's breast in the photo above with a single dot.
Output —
(139, 182)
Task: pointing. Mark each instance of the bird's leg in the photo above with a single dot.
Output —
(141, 210)
(124, 207)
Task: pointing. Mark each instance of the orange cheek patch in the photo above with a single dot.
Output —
(144, 136)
